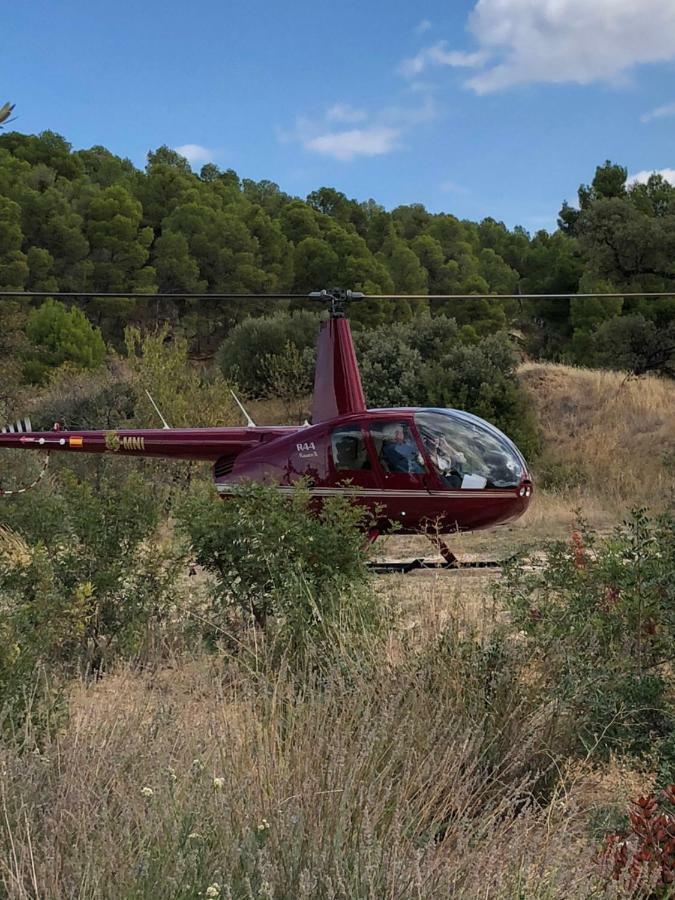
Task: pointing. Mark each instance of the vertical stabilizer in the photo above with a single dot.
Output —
(337, 382)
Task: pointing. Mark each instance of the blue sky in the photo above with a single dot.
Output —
(476, 107)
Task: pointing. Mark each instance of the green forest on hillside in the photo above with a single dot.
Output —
(88, 220)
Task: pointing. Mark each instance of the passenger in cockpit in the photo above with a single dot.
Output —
(400, 453)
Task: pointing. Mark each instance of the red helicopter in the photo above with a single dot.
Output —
(423, 470)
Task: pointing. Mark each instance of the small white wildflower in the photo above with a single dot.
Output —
(147, 792)
(218, 783)
(213, 890)
(197, 766)
(171, 774)
(194, 836)
(264, 825)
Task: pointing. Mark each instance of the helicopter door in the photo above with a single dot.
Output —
(399, 456)
(352, 463)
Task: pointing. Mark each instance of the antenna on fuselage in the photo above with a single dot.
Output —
(249, 420)
(165, 424)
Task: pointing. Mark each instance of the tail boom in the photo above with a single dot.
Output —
(177, 443)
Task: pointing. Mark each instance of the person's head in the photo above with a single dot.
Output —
(394, 433)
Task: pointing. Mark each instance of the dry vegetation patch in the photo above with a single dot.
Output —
(616, 432)
(374, 785)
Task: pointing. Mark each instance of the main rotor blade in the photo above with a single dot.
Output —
(136, 295)
(515, 296)
(124, 295)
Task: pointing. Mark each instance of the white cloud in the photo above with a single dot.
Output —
(423, 26)
(421, 87)
(556, 41)
(661, 112)
(375, 140)
(644, 176)
(439, 55)
(343, 112)
(375, 134)
(452, 187)
(569, 40)
(407, 116)
(195, 153)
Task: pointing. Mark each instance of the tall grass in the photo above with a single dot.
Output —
(380, 781)
(613, 434)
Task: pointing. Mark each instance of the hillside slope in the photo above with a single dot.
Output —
(608, 433)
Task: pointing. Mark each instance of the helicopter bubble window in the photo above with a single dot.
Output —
(349, 449)
(468, 452)
(396, 448)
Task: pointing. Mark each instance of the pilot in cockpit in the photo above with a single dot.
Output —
(448, 461)
(400, 452)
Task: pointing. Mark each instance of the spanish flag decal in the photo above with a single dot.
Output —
(75, 442)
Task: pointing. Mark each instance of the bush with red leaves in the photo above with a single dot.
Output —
(645, 851)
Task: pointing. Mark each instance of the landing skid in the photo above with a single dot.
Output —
(387, 566)
(447, 562)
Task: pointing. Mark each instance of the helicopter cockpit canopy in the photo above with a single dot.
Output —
(468, 452)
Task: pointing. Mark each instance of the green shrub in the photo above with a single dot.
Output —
(481, 380)
(390, 367)
(433, 337)
(430, 362)
(241, 354)
(598, 626)
(82, 578)
(554, 475)
(61, 335)
(290, 374)
(634, 343)
(187, 396)
(103, 399)
(295, 572)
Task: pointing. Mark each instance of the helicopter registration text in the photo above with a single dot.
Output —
(306, 449)
(133, 443)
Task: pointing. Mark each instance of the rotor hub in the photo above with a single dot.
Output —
(338, 299)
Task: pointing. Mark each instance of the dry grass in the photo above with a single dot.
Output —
(276, 412)
(619, 432)
(371, 785)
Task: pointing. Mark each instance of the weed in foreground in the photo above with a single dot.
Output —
(597, 632)
(643, 854)
(299, 575)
